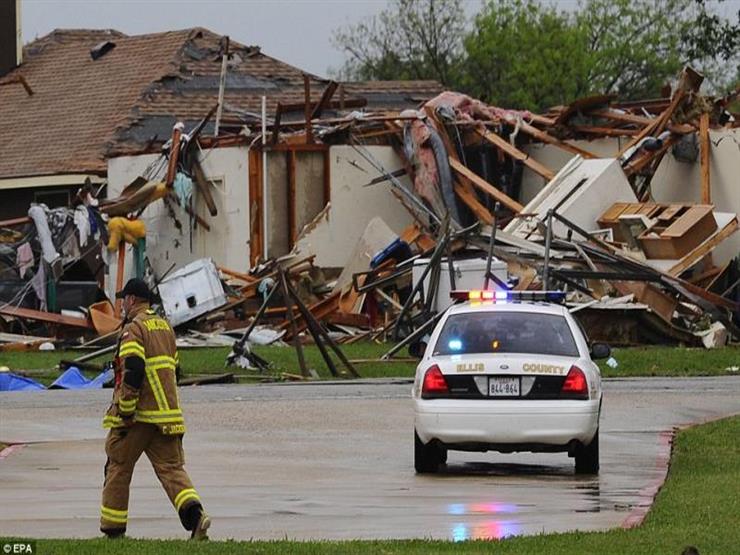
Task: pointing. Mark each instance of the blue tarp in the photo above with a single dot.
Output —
(74, 379)
(14, 382)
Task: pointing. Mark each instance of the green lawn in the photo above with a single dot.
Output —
(642, 361)
(698, 506)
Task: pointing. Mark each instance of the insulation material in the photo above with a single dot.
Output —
(122, 229)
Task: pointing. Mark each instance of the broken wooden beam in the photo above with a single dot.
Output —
(174, 154)
(324, 100)
(549, 139)
(517, 154)
(472, 202)
(485, 186)
(202, 184)
(704, 145)
(705, 248)
(48, 317)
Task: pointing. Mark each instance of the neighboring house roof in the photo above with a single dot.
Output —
(83, 109)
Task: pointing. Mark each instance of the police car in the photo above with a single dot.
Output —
(508, 371)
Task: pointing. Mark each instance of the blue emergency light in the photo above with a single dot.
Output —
(508, 296)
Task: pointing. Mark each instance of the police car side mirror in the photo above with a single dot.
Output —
(600, 350)
(417, 348)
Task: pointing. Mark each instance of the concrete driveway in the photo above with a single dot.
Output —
(334, 461)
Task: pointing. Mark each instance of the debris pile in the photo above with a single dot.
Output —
(488, 209)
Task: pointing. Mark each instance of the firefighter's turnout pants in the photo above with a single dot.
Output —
(145, 417)
(123, 447)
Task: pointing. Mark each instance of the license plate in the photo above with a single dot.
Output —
(503, 387)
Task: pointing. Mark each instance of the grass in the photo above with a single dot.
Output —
(633, 362)
(697, 506)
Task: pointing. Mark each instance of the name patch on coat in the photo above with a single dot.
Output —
(154, 324)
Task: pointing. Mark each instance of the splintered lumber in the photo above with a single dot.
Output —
(239, 275)
(517, 154)
(174, 155)
(706, 193)
(472, 202)
(705, 248)
(658, 124)
(21, 346)
(48, 317)
(319, 310)
(648, 157)
(604, 131)
(624, 117)
(486, 187)
(549, 139)
(201, 182)
(324, 100)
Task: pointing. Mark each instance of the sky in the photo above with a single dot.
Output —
(295, 31)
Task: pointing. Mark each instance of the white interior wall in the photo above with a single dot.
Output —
(334, 237)
(227, 243)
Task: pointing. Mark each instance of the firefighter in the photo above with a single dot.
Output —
(145, 417)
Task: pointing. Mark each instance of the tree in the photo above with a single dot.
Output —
(527, 55)
(411, 39)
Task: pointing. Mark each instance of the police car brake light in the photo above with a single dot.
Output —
(434, 384)
(575, 383)
(487, 295)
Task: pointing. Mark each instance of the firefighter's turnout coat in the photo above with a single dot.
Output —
(148, 337)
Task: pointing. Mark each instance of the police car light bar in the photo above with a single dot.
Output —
(478, 295)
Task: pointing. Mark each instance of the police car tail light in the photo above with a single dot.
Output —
(575, 383)
(434, 383)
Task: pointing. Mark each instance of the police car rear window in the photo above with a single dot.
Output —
(506, 332)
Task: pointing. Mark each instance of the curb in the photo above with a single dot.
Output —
(647, 495)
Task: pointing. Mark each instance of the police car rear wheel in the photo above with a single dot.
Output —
(429, 457)
(587, 457)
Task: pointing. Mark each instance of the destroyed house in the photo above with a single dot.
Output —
(79, 96)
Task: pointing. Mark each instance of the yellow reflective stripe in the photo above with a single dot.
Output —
(128, 405)
(111, 421)
(161, 366)
(160, 419)
(119, 517)
(170, 412)
(113, 512)
(160, 359)
(157, 389)
(131, 348)
(134, 344)
(185, 495)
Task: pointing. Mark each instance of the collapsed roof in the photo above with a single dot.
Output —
(94, 93)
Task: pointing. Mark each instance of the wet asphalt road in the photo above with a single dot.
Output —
(335, 462)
